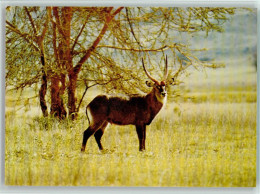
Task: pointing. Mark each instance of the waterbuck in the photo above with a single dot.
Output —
(134, 110)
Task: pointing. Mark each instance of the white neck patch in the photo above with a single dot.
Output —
(161, 99)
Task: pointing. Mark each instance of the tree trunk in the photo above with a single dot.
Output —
(57, 105)
(72, 95)
(42, 94)
(63, 57)
(43, 89)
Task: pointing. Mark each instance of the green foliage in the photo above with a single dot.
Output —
(148, 32)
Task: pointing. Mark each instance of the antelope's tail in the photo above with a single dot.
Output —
(87, 113)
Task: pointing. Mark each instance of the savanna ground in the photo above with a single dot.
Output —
(205, 138)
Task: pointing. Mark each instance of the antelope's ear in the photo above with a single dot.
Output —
(149, 84)
(171, 82)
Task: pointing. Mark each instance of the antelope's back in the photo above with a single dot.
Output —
(128, 110)
(98, 107)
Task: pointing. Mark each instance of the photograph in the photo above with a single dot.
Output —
(130, 96)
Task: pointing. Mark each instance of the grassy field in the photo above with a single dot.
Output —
(208, 139)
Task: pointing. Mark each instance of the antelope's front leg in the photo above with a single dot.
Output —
(141, 132)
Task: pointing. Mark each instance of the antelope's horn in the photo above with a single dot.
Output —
(166, 69)
(148, 75)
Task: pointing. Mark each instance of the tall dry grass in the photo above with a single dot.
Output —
(205, 144)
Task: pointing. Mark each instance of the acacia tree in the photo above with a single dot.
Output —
(61, 47)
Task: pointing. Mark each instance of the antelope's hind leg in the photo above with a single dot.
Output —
(88, 132)
(99, 134)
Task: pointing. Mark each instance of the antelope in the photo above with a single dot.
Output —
(133, 110)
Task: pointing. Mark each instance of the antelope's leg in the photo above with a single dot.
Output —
(144, 136)
(88, 132)
(99, 134)
(141, 132)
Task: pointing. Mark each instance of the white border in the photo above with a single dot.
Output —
(97, 190)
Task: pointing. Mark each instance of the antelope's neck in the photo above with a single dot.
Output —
(154, 102)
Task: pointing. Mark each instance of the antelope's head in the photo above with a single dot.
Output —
(159, 87)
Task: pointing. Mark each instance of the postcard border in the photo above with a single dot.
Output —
(177, 190)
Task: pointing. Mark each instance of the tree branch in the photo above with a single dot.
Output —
(31, 20)
(116, 12)
(45, 26)
(81, 30)
(131, 27)
(136, 50)
(57, 17)
(87, 87)
(77, 68)
(23, 35)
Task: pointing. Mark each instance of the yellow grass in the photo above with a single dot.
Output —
(190, 144)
